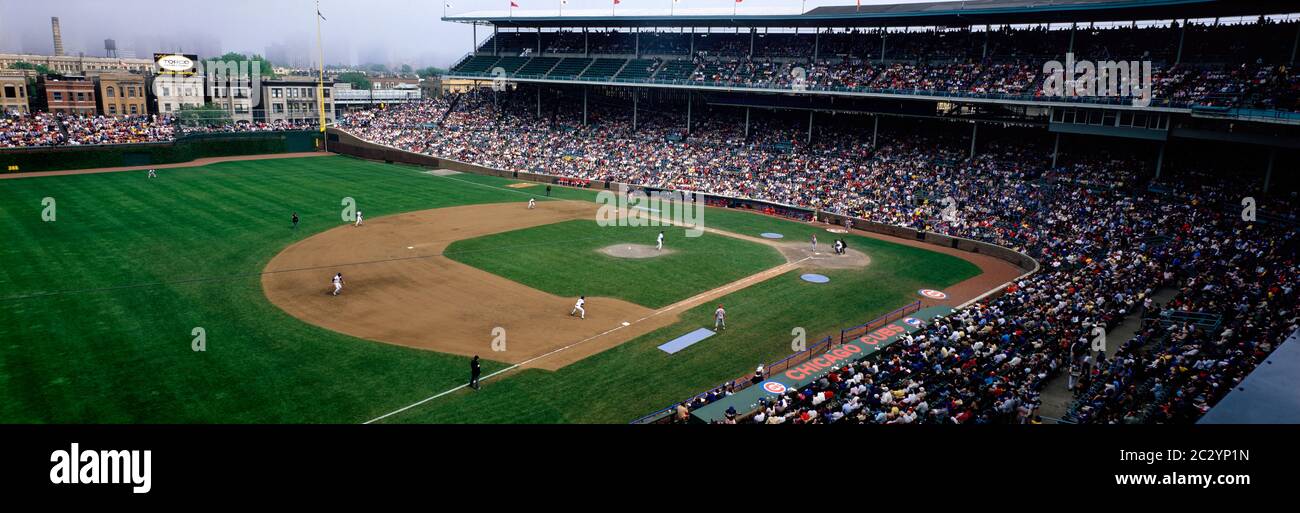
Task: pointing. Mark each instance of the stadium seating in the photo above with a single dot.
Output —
(989, 362)
(603, 68)
(569, 67)
(638, 69)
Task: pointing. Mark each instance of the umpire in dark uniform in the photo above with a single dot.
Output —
(474, 372)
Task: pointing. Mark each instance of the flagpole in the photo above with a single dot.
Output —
(320, 85)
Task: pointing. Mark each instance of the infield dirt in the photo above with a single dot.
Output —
(400, 289)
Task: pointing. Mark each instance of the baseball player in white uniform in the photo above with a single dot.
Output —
(532, 203)
(720, 318)
(338, 283)
(659, 244)
(577, 307)
(153, 174)
(358, 219)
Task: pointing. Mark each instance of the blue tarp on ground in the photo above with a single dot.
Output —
(686, 340)
(1269, 395)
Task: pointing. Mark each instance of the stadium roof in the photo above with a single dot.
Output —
(950, 13)
(1269, 395)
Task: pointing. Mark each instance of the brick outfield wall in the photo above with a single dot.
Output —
(347, 144)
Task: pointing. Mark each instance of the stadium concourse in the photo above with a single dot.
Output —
(1108, 236)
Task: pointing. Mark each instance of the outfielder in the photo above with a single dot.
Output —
(577, 307)
(814, 239)
(720, 318)
(358, 219)
(153, 174)
(659, 243)
(338, 283)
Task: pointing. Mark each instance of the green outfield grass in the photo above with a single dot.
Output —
(97, 308)
(564, 259)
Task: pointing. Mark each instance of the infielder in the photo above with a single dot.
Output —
(814, 239)
(659, 243)
(532, 203)
(338, 283)
(720, 318)
(577, 307)
(358, 219)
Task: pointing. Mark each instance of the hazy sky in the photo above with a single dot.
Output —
(355, 31)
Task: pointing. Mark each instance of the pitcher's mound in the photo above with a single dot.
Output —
(634, 251)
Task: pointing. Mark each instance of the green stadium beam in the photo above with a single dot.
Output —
(634, 109)
(1268, 172)
(974, 134)
(496, 40)
(875, 130)
(1056, 148)
(1182, 34)
(985, 54)
(1296, 45)
(1160, 159)
(688, 113)
(584, 105)
(746, 123)
(810, 125)
(817, 42)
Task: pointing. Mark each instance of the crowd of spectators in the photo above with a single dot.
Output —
(1240, 65)
(1105, 242)
(45, 129)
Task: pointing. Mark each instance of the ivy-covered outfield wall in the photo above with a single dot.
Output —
(183, 149)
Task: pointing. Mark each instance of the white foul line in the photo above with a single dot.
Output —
(775, 270)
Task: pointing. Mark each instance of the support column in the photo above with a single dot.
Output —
(539, 41)
(586, 49)
(875, 131)
(688, 113)
(1296, 45)
(1072, 27)
(496, 40)
(810, 126)
(584, 105)
(1055, 149)
(817, 42)
(747, 124)
(473, 48)
(634, 109)
(1182, 34)
(752, 30)
(692, 41)
(882, 46)
(974, 135)
(638, 43)
(1160, 160)
(985, 54)
(539, 102)
(1268, 173)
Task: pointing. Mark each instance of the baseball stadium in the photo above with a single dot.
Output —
(951, 212)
